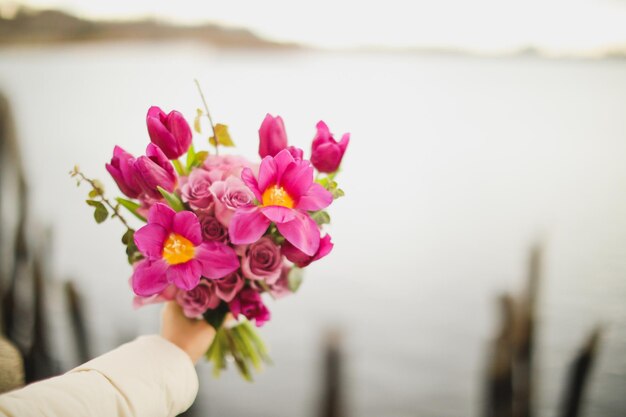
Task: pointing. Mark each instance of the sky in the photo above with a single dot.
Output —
(555, 26)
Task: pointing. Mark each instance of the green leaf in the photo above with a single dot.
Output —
(294, 279)
(172, 199)
(132, 252)
(337, 192)
(331, 185)
(94, 193)
(321, 217)
(223, 137)
(200, 157)
(191, 158)
(100, 213)
(196, 121)
(180, 170)
(131, 206)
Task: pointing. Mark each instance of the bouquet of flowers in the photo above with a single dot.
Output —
(220, 230)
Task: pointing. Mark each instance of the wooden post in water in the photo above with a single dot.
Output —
(578, 375)
(510, 367)
(332, 381)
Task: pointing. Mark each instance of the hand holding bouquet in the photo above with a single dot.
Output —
(220, 230)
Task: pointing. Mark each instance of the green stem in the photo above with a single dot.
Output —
(105, 200)
(208, 114)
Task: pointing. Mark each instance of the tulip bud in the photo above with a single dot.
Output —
(154, 170)
(170, 132)
(326, 153)
(272, 135)
(297, 153)
(122, 170)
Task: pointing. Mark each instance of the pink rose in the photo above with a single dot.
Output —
(212, 229)
(300, 258)
(228, 287)
(223, 166)
(198, 300)
(280, 288)
(195, 191)
(262, 261)
(248, 302)
(230, 195)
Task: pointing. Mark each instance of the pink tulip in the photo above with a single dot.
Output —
(297, 153)
(300, 258)
(286, 193)
(326, 153)
(122, 170)
(154, 170)
(174, 253)
(170, 132)
(272, 135)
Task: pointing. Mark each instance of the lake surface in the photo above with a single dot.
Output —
(457, 166)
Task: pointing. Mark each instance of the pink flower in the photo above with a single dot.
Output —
(228, 287)
(297, 153)
(326, 153)
(170, 132)
(230, 195)
(198, 300)
(300, 258)
(272, 136)
(168, 294)
(286, 192)
(122, 170)
(280, 288)
(248, 302)
(223, 166)
(154, 170)
(212, 229)
(175, 253)
(196, 191)
(262, 261)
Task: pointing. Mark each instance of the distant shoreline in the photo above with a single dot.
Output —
(41, 28)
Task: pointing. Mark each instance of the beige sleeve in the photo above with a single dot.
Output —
(147, 377)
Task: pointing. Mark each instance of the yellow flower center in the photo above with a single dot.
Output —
(177, 249)
(277, 196)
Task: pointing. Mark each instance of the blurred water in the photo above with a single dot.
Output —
(456, 166)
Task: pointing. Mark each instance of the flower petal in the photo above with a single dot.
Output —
(187, 225)
(283, 159)
(297, 178)
(268, 173)
(278, 214)
(247, 176)
(149, 277)
(161, 214)
(150, 239)
(302, 232)
(316, 198)
(185, 276)
(247, 225)
(217, 259)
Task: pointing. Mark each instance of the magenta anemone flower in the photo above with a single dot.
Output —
(174, 253)
(286, 193)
